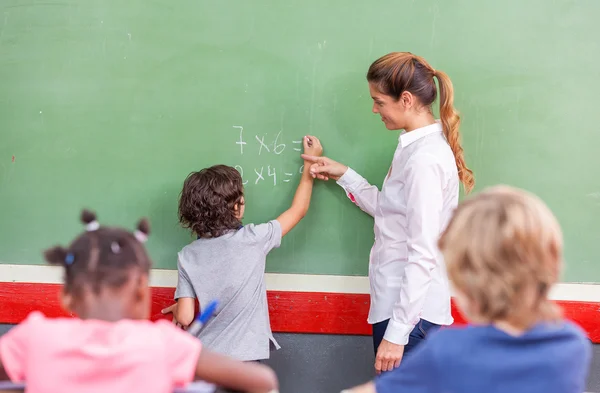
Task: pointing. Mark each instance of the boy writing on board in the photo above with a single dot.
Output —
(503, 252)
(227, 262)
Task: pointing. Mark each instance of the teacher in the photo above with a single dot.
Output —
(410, 294)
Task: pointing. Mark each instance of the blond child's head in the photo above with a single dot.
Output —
(503, 251)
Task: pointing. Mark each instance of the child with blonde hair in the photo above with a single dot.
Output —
(503, 251)
(111, 346)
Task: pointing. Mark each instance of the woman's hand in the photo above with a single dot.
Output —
(389, 356)
(312, 146)
(324, 168)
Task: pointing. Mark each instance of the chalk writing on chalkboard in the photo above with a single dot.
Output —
(263, 146)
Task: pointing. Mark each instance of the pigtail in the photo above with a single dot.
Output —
(58, 255)
(143, 230)
(89, 219)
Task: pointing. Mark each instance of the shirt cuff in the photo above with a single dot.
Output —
(397, 332)
(350, 180)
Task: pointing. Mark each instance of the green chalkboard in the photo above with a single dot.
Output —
(110, 104)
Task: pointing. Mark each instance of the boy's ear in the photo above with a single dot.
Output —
(238, 206)
(555, 254)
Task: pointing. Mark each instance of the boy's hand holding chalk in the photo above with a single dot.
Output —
(312, 146)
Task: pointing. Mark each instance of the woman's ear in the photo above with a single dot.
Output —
(407, 100)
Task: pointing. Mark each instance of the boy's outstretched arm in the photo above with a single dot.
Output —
(291, 217)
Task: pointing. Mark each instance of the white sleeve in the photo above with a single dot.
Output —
(358, 189)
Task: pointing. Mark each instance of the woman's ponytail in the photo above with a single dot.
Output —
(450, 123)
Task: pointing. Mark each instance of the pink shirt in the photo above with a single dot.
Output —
(98, 356)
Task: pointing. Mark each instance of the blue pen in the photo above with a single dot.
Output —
(202, 318)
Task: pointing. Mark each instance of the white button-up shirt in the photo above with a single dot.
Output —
(406, 271)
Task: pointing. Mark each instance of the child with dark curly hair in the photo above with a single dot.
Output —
(227, 261)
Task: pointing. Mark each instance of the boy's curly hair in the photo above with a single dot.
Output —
(208, 199)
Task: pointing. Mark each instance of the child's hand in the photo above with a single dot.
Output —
(312, 146)
(172, 309)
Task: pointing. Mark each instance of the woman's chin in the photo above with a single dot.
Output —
(391, 127)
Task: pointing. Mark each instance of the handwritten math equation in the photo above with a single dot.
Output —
(264, 146)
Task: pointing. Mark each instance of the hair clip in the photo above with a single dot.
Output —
(114, 246)
(92, 226)
(141, 236)
(69, 259)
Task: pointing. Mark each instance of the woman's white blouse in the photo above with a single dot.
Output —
(406, 271)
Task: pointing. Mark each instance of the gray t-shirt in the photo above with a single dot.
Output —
(231, 270)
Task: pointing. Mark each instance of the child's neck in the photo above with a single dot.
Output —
(509, 328)
(104, 309)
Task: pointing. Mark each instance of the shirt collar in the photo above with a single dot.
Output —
(406, 138)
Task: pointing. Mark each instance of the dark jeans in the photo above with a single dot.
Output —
(418, 334)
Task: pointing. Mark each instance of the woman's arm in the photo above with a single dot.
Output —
(363, 194)
(245, 376)
(301, 202)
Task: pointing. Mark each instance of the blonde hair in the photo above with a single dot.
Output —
(503, 252)
(398, 72)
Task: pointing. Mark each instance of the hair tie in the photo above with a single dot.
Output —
(92, 226)
(140, 236)
(69, 259)
(115, 247)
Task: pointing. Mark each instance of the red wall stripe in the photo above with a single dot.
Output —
(291, 312)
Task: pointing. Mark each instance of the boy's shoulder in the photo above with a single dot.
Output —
(573, 335)
(267, 236)
(260, 230)
(450, 339)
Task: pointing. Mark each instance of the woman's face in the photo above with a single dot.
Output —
(393, 112)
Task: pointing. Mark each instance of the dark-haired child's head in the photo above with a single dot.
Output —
(212, 201)
(106, 271)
